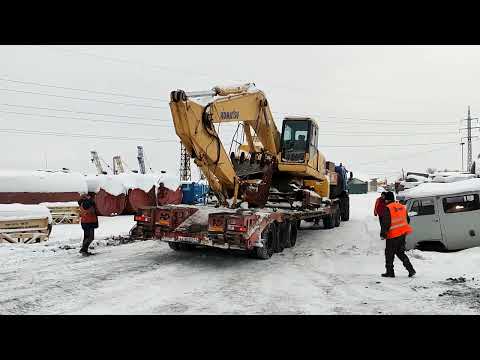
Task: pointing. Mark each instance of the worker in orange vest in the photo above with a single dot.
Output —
(394, 228)
(89, 222)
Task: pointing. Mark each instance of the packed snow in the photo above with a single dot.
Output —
(10, 212)
(41, 181)
(60, 204)
(334, 271)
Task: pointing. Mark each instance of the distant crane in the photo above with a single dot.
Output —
(96, 160)
(118, 165)
(141, 160)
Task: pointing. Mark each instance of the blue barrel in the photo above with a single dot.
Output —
(194, 193)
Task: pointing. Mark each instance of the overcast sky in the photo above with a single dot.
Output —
(368, 100)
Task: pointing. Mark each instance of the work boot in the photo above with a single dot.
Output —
(411, 271)
(388, 274)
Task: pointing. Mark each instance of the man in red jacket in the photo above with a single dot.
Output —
(89, 222)
(380, 206)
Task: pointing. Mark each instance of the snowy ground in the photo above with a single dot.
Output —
(328, 272)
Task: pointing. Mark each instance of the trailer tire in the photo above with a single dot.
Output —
(293, 236)
(337, 217)
(328, 221)
(174, 246)
(268, 238)
(345, 208)
(285, 231)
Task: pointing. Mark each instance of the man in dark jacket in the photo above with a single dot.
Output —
(394, 229)
(89, 222)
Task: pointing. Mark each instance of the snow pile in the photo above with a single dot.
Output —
(41, 182)
(24, 212)
(60, 204)
(121, 183)
(436, 189)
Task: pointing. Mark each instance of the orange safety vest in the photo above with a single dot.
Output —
(399, 225)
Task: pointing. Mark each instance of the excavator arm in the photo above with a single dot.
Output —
(194, 125)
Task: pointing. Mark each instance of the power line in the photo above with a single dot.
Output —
(405, 154)
(84, 112)
(392, 133)
(86, 119)
(76, 135)
(367, 120)
(384, 145)
(84, 90)
(128, 61)
(83, 99)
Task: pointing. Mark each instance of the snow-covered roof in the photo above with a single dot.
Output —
(41, 181)
(121, 183)
(453, 178)
(436, 189)
(22, 212)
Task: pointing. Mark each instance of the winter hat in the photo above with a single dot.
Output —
(389, 196)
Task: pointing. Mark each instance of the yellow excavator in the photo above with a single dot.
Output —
(269, 166)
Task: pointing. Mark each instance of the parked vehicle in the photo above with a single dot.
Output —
(444, 216)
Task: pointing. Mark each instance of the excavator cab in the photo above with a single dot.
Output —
(299, 137)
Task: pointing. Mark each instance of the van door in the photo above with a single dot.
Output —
(426, 224)
(460, 221)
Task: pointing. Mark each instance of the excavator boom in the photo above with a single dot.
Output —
(194, 124)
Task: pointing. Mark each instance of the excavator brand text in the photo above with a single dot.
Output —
(227, 115)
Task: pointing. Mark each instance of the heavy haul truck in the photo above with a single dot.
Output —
(265, 187)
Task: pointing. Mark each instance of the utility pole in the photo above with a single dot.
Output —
(462, 143)
(469, 138)
(185, 172)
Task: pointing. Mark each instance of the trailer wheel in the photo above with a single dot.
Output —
(328, 221)
(267, 250)
(285, 229)
(293, 236)
(345, 208)
(337, 217)
(174, 246)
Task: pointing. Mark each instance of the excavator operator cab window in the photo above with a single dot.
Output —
(295, 139)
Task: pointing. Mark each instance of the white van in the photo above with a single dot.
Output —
(444, 215)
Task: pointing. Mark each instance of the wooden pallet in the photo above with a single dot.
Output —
(65, 214)
(25, 231)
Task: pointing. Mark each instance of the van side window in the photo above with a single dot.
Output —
(427, 207)
(463, 203)
(423, 207)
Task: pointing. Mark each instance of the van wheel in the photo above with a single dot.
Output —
(268, 239)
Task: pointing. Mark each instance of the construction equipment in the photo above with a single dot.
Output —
(118, 165)
(96, 160)
(141, 160)
(266, 186)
